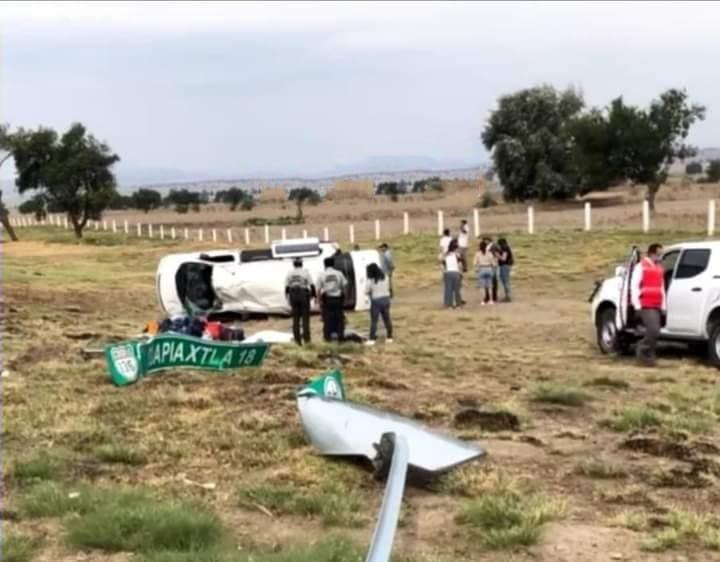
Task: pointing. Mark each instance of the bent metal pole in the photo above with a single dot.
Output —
(384, 534)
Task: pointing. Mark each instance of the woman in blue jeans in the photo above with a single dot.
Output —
(378, 291)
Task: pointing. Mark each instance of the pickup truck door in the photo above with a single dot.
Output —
(687, 293)
(622, 315)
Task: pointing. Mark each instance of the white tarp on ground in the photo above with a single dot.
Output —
(269, 336)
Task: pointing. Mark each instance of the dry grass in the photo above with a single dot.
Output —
(68, 431)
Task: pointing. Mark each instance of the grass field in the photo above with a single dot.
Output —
(590, 458)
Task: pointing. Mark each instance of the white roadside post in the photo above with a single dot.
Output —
(476, 222)
(126, 227)
(326, 233)
(283, 234)
(406, 223)
(646, 216)
(531, 220)
(304, 233)
(150, 231)
(711, 218)
(114, 227)
(104, 225)
(247, 236)
(162, 232)
(267, 234)
(172, 232)
(229, 236)
(66, 223)
(214, 235)
(441, 223)
(377, 229)
(352, 233)
(139, 230)
(588, 216)
(187, 234)
(200, 234)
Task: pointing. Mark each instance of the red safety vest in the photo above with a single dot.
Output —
(652, 284)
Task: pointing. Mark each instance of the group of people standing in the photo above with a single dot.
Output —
(330, 293)
(492, 263)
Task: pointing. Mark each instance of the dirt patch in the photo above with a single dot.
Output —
(659, 448)
(486, 420)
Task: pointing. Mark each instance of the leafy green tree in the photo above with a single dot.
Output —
(713, 171)
(183, 200)
(72, 171)
(146, 199)
(301, 195)
(5, 154)
(36, 205)
(693, 168)
(531, 143)
(121, 202)
(628, 143)
(234, 197)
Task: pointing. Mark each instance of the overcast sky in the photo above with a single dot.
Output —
(242, 89)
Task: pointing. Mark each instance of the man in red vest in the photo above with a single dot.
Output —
(648, 298)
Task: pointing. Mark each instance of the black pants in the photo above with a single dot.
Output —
(495, 285)
(333, 318)
(300, 305)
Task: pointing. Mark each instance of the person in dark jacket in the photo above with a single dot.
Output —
(299, 290)
(506, 261)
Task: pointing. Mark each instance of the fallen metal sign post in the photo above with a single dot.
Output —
(341, 428)
(130, 361)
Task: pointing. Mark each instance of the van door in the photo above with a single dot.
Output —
(687, 292)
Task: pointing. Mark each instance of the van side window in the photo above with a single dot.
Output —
(692, 263)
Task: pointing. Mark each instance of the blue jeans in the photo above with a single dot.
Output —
(380, 308)
(451, 292)
(505, 280)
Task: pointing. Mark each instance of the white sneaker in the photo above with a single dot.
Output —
(369, 342)
(389, 340)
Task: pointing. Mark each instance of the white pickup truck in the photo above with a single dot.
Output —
(692, 285)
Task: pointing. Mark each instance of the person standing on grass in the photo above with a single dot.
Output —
(331, 287)
(378, 291)
(452, 276)
(493, 248)
(463, 242)
(647, 294)
(484, 268)
(387, 263)
(445, 241)
(505, 263)
(299, 290)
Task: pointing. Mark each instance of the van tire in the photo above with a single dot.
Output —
(606, 331)
(714, 345)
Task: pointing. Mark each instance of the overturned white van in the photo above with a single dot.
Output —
(253, 281)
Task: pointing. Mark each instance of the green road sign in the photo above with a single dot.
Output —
(132, 360)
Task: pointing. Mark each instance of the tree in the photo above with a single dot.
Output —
(392, 189)
(531, 144)
(625, 142)
(36, 205)
(300, 195)
(73, 171)
(5, 154)
(694, 168)
(183, 200)
(713, 171)
(146, 199)
(121, 202)
(234, 197)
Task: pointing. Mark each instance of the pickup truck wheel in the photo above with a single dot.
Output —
(714, 345)
(606, 331)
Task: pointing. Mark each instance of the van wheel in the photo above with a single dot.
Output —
(714, 345)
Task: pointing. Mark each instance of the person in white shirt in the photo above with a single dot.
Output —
(452, 276)
(445, 241)
(464, 241)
